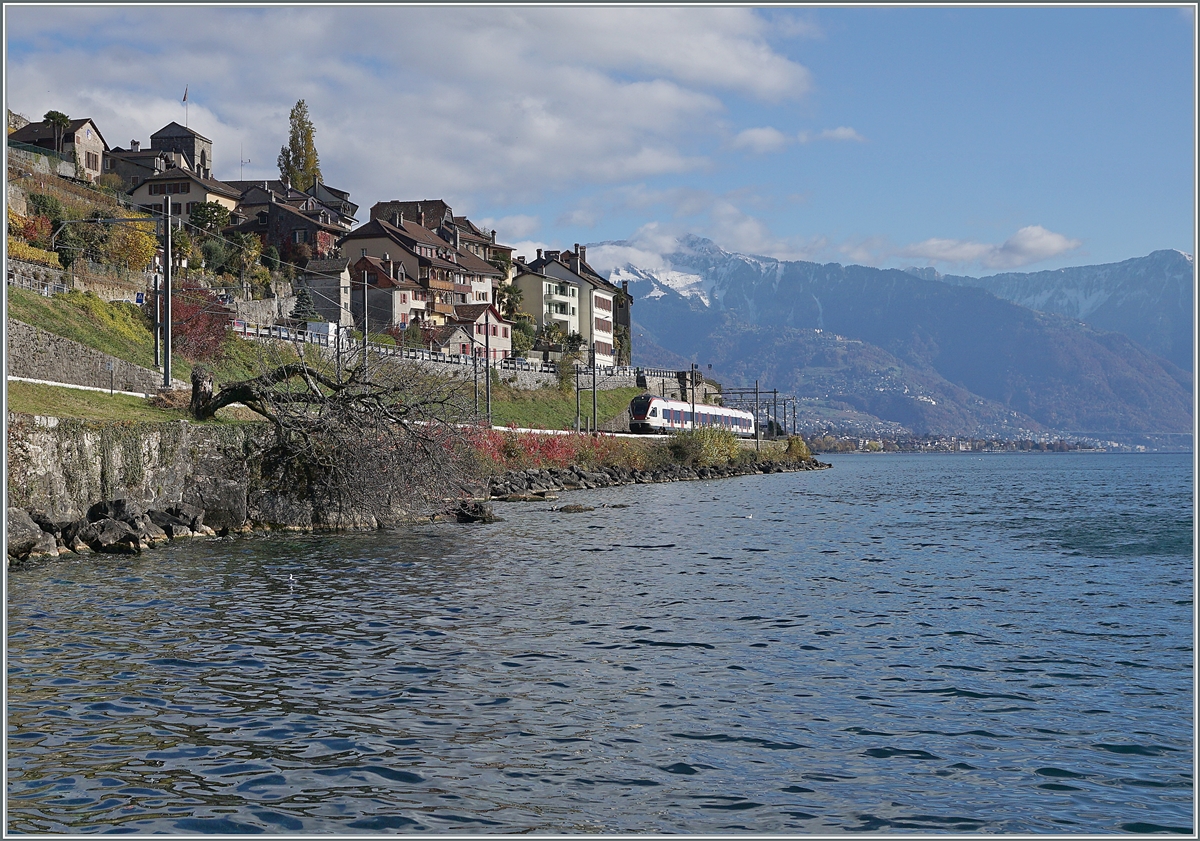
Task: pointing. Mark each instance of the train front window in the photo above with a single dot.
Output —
(654, 413)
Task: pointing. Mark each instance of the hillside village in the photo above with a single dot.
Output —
(298, 255)
(276, 258)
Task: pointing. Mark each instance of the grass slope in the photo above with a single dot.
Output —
(549, 408)
(36, 399)
(55, 401)
(123, 331)
(117, 329)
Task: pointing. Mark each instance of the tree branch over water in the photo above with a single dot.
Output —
(359, 446)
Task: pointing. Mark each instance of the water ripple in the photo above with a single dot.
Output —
(1008, 654)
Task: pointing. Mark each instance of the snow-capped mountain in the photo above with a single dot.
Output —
(984, 362)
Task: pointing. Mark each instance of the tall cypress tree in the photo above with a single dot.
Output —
(298, 159)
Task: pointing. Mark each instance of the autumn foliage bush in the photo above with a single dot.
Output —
(514, 450)
(199, 322)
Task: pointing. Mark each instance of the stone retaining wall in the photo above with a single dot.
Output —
(37, 355)
(63, 466)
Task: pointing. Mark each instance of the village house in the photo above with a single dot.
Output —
(80, 139)
(447, 338)
(331, 206)
(336, 200)
(481, 276)
(393, 299)
(328, 282)
(483, 245)
(432, 257)
(195, 148)
(186, 189)
(486, 263)
(599, 300)
(492, 334)
(301, 229)
(135, 164)
(550, 300)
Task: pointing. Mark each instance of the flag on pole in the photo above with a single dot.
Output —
(185, 89)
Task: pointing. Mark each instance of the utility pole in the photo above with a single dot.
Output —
(595, 419)
(692, 377)
(364, 325)
(577, 409)
(475, 362)
(757, 428)
(487, 349)
(157, 319)
(775, 410)
(167, 291)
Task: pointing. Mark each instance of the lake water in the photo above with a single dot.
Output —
(945, 644)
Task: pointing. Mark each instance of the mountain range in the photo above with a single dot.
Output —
(925, 352)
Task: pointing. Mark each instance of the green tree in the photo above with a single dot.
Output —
(129, 247)
(270, 258)
(508, 300)
(245, 251)
(621, 343)
(523, 333)
(305, 310)
(60, 122)
(181, 245)
(298, 160)
(552, 333)
(208, 218)
(216, 255)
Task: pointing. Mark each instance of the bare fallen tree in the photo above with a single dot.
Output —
(363, 449)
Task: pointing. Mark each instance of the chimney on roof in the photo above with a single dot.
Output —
(420, 216)
(493, 234)
(583, 253)
(135, 145)
(397, 218)
(287, 184)
(387, 264)
(457, 241)
(539, 253)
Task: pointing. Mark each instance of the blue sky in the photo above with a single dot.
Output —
(974, 140)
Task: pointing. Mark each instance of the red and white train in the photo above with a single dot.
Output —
(648, 413)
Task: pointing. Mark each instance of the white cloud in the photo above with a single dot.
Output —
(529, 248)
(509, 228)
(1031, 244)
(605, 258)
(760, 140)
(478, 105)
(835, 134)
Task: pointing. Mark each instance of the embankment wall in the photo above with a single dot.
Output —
(63, 465)
(37, 355)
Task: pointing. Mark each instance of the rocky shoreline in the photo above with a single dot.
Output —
(124, 526)
(515, 485)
